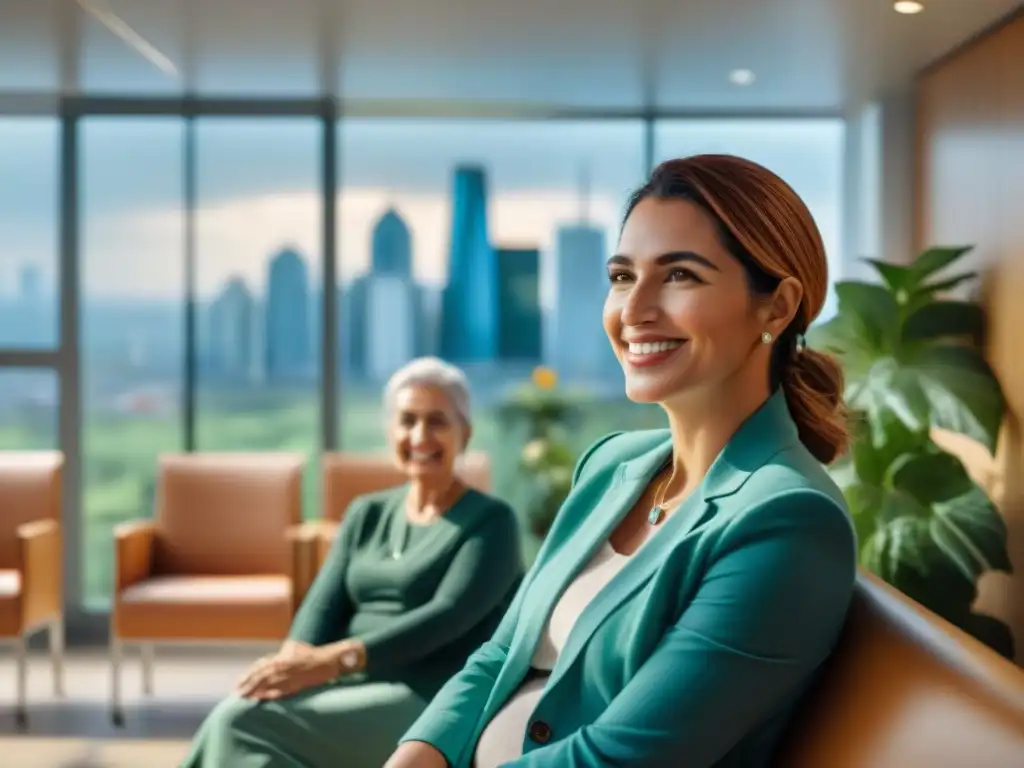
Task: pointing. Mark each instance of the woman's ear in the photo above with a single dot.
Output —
(782, 306)
(467, 435)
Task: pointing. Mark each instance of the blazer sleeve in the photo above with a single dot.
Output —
(327, 606)
(450, 720)
(765, 616)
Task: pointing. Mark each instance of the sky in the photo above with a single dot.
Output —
(258, 188)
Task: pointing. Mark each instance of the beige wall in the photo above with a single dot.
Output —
(969, 189)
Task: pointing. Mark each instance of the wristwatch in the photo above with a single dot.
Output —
(349, 661)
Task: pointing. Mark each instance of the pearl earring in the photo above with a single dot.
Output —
(766, 337)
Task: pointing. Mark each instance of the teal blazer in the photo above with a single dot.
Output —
(697, 650)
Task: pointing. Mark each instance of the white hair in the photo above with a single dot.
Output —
(431, 372)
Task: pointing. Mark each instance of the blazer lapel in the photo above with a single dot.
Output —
(599, 519)
(766, 432)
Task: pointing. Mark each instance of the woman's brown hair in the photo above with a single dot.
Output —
(765, 225)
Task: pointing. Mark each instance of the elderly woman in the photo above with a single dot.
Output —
(417, 579)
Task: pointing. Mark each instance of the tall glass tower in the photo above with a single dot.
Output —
(470, 302)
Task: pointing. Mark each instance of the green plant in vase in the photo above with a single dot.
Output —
(544, 416)
(913, 363)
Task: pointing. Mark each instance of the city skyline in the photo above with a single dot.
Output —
(533, 191)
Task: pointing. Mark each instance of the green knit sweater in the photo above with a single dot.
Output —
(421, 597)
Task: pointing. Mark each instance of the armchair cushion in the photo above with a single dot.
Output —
(205, 608)
(226, 514)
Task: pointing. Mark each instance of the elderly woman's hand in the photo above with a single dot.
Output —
(288, 672)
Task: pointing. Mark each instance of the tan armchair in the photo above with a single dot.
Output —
(347, 475)
(31, 573)
(224, 560)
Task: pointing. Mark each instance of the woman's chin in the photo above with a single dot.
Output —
(420, 470)
(647, 392)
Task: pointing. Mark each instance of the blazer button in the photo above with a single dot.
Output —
(540, 732)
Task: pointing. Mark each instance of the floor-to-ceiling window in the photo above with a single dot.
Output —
(29, 317)
(29, 226)
(258, 287)
(131, 323)
(480, 241)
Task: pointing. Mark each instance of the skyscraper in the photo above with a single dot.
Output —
(469, 305)
(391, 305)
(391, 247)
(230, 322)
(288, 341)
(519, 314)
(578, 346)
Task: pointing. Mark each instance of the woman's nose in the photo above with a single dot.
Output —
(641, 304)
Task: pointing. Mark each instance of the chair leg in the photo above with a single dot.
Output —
(57, 655)
(148, 659)
(116, 657)
(21, 694)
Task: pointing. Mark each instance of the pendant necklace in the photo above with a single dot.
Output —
(657, 513)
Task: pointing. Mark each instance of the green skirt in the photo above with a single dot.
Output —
(342, 725)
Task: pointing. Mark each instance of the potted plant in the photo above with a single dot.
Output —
(544, 417)
(913, 363)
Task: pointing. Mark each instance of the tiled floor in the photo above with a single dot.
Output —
(76, 732)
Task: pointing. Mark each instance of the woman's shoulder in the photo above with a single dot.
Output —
(791, 496)
(371, 505)
(487, 510)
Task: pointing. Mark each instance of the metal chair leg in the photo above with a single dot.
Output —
(116, 658)
(57, 655)
(148, 662)
(21, 694)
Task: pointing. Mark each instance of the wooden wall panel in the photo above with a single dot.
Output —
(969, 189)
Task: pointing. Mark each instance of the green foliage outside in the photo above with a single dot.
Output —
(913, 363)
(542, 418)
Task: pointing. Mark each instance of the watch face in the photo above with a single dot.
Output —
(350, 659)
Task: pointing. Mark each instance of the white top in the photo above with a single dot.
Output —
(502, 740)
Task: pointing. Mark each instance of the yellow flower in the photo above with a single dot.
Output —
(534, 451)
(544, 377)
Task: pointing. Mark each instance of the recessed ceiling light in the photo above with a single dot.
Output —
(908, 7)
(741, 77)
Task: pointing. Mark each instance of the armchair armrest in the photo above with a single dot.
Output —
(39, 560)
(133, 552)
(302, 541)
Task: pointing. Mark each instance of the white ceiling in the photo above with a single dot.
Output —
(807, 55)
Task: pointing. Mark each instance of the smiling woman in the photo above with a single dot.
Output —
(695, 578)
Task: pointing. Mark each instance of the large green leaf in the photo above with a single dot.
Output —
(872, 459)
(872, 310)
(900, 279)
(848, 339)
(963, 394)
(937, 258)
(931, 477)
(943, 319)
(972, 533)
(897, 546)
(932, 288)
(890, 389)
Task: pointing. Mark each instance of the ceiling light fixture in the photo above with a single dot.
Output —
(130, 37)
(908, 7)
(741, 77)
